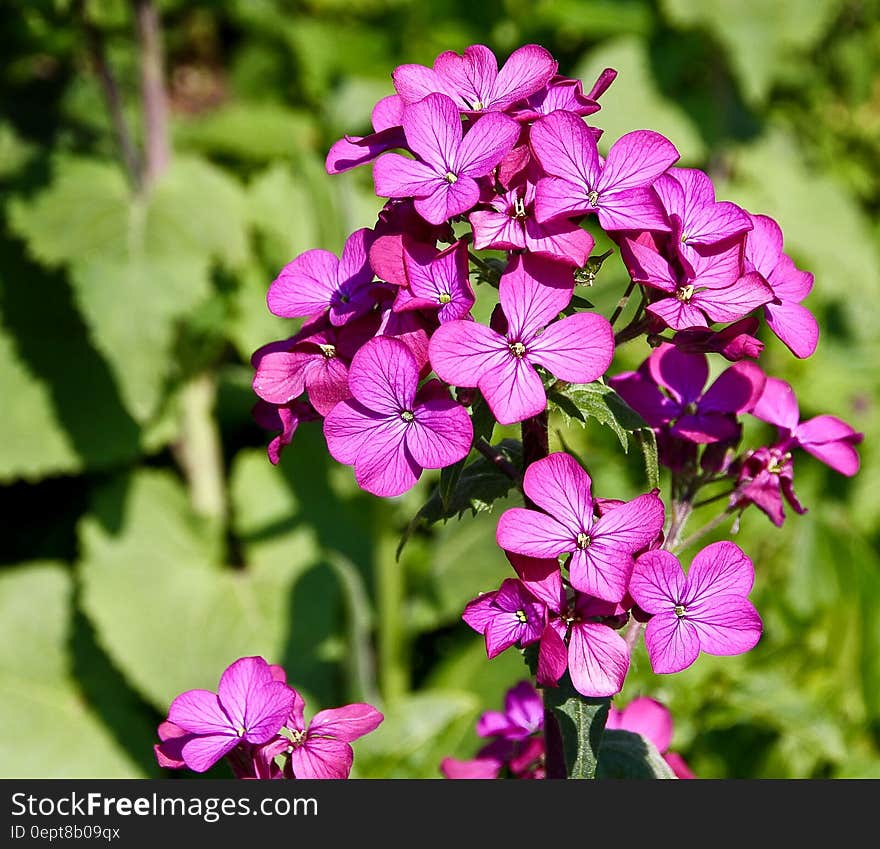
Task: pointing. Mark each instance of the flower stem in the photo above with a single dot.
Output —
(707, 528)
(621, 304)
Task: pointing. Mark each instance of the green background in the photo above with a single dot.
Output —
(146, 540)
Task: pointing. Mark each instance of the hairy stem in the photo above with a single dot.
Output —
(157, 144)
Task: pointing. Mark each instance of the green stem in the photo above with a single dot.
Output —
(707, 528)
(390, 602)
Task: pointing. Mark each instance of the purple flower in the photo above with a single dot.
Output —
(511, 225)
(285, 418)
(734, 342)
(707, 610)
(792, 323)
(654, 722)
(523, 715)
(473, 81)
(391, 430)
(563, 93)
(827, 438)
(694, 414)
(351, 151)
(507, 616)
(443, 180)
(437, 281)
(765, 477)
(250, 706)
(699, 222)
(618, 190)
(601, 549)
(320, 749)
(710, 286)
(533, 292)
(316, 280)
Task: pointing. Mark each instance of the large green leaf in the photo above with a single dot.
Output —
(165, 609)
(49, 728)
(624, 754)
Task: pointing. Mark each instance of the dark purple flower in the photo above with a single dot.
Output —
(506, 617)
(523, 715)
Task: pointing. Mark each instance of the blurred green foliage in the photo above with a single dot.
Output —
(119, 587)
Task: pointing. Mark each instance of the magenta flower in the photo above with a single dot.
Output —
(285, 418)
(437, 281)
(351, 151)
(707, 610)
(827, 438)
(316, 281)
(443, 180)
(506, 617)
(533, 292)
(523, 715)
(473, 81)
(601, 549)
(693, 413)
(250, 706)
(654, 722)
(564, 93)
(511, 225)
(391, 430)
(618, 190)
(712, 287)
(320, 749)
(700, 222)
(793, 323)
(734, 342)
(765, 477)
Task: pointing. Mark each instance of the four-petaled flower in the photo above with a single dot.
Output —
(706, 609)
(436, 280)
(507, 616)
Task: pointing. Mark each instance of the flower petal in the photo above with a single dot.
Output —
(202, 752)
(448, 200)
(384, 466)
(560, 239)
(346, 723)
(795, 325)
(578, 348)
(322, 757)
(647, 717)
(729, 625)
(778, 405)
(485, 144)
(720, 569)
(559, 485)
(304, 286)
(533, 291)
(658, 582)
(598, 659)
(565, 148)
(397, 176)
(636, 160)
(831, 440)
(200, 712)
(413, 82)
(440, 434)
(558, 198)
(280, 376)
(433, 131)
(736, 390)
(683, 375)
(552, 658)
(532, 533)
(672, 643)
(384, 376)
(461, 352)
(540, 576)
(731, 303)
(513, 390)
(527, 69)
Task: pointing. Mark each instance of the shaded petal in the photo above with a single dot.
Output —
(720, 569)
(527, 69)
(486, 143)
(239, 684)
(683, 375)
(706, 428)
(636, 160)
(351, 151)
(598, 659)
(267, 710)
(462, 351)
(540, 576)
(513, 390)
(677, 314)
(448, 200)
(646, 717)
(413, 82)
(384, 376)
(632, 209)
(552, 658)
(433, 131)
(388, 112)
(201, 753)
(726, 625)
(346, 723)
(795, 325)
(602, 571)
(396, 176)
(561, 239)
(717, 223)
(305, 286)
(658, 582)
(496, 230)
(479, 612)
(733, 302)
(831, 440)
(505, 630)
(736, 390)
(778, 405)
(354, 265)
(561, 486)
(384, 466)
(532, 533)
(579, 348)
(644, 397)
(533, 291)
(200, 712)
(651, 267)
(566, 148)
(440, 434)
(558, 198)
(672, 643)
(322, 757)
(327, 384)
(349, 425)
(280, 376)
(524, 706)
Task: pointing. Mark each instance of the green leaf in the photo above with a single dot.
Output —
(49, 727)
(483, 424)
(581, 724)
(164, 608)
(624, 754)
(579, 402)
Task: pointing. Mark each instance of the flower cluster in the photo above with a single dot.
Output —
(256, 721)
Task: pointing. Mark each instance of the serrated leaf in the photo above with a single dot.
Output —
(624, 754)
(49, 728)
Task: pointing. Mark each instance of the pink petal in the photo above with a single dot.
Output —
(559, 485)
(632, 209)
(533, 291)
(461, 352)
(513, 390)
(678, 766)
(386, 259)
(706, 428)
(470, 75)
(526, 70)
(602, 570)
(346, 723)
(726, 625)
(631, 525)
(280, 376)
(684, 375)
(440, 435)
(560, 239)
(388, 112)
(305, 286)
(541, 577)
(486, 143)
(649, 718)
(717, 223)
(788, 282)
(479, 768)
(558, 198)
(351, 151)
(579, 348)
(644, 397)
(433, 131)
(532, 533)
(322, 757)
(552, 658)
(672, 643)
(448, 200)
(716, 270)
(566, 149)
(598, 659)
(795, 325)
(396, 176)
(496, 230)
(240, 692)
(267, 710)
(479, 612)
(677, 314)
(720, 569)
(384, 376)
(349, 425)
(636, 160)
(651, 267)
(327, 384)
(354, 263)
(524, 707)
(831, 440)
(658, 582)
(200, 712)
(384, 466)
(413, 82)
(764, 244)
(778, 405)
(733, 302)
(201, 753)
(736, 390)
